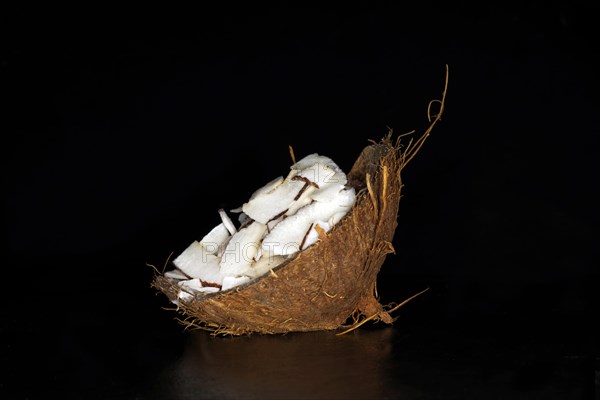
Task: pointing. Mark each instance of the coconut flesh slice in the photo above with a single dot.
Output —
(242, 249)
(200, 259)
(321, 174)
(288, 236)
(196, 285)
(267, 206)
(268, 188)
(233, 281)
(197, 262)
(215, 239)
(266, 263)
(227, 222)
(176, 274)
(316, 231)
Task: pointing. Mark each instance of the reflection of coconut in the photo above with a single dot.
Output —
(315, 365)
(321, 286)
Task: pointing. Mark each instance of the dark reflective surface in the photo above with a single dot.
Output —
(122, 345)
(111, 339)
(373, 364)
(312, 365)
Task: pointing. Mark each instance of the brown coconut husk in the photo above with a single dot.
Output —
(334, 279)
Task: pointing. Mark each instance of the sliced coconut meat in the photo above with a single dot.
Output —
(335, 218)
(330, 189)
(322, 174)
(327, 178)
(196, 262)
(287, 237)
(176, 274)
(264, 265)
(267, 206)
(196, 285)
(227, 222)
(244, 219)
(242, 249)
(272, 223)
(315, 233)
(233, 281)
(304, 199)
(268, 188)
(215, 239)
(280, 218)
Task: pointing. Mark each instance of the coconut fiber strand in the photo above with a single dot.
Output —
(333, 280)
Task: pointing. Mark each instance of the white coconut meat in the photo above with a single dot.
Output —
(233, 281)
(268, 188)
(244, 219)
(272, 223)
(242, 249)
(267, 206)
(322, 175)
(287, 237)
(176, 274)
(331, 188)
(265, 190)
(227, 222)
(196, 286)
(313, 235)
(281, 218)
(264, 265)
(304, 200)
(215, 239)
(196, 262)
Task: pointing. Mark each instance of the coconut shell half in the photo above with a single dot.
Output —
(329, 281)
(332, 280)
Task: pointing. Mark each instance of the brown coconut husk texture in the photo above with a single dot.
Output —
(332, 281)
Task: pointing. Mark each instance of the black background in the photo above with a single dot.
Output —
(124, 135)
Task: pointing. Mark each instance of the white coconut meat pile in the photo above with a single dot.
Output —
(285, 216)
